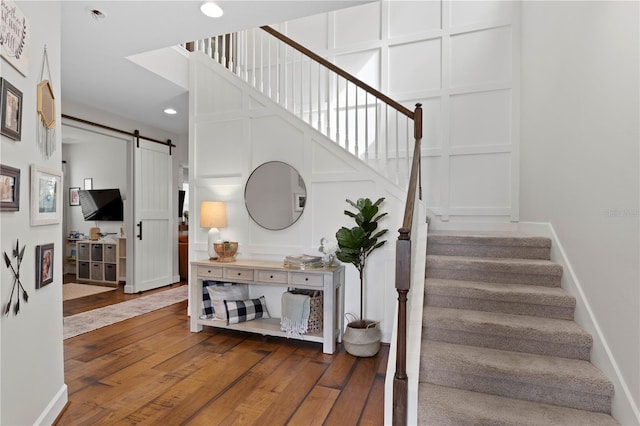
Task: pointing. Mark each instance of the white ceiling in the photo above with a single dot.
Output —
(95, 71)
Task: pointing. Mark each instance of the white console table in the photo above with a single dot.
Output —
(263, 273)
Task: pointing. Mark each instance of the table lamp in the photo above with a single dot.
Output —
(213, 215)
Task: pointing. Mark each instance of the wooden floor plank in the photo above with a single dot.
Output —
(352, 399)
(316, 407)
(339, 370)
(373, 413)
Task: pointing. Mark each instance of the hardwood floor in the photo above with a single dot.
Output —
(151, 369)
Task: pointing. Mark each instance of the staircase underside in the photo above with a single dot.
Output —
(500, 346)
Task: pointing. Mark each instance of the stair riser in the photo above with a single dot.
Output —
(544, 311)
(573, 398)
(512, 343)
(542, 253)
(493, 276)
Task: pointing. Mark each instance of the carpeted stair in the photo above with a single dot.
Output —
(500, 346)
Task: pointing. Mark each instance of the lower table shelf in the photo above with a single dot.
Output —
(266, 327)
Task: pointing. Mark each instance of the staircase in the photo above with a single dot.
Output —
(500, 346)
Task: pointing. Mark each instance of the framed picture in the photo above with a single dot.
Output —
(16, 37)
(74, 198)
(11, 107)
(299, 200)
(88, 183)
(44, 265)
(9, 188)
(46, 196)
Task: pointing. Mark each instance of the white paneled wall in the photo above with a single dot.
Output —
(460, 60)
(242, 129)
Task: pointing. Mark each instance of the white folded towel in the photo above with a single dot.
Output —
(295, 314)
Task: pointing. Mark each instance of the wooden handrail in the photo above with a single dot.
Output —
(342, 73)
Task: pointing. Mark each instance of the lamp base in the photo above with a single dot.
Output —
(212, 236)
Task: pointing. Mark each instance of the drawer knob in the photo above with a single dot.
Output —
(271, 276)
(209, 271)
(306, 279)
(239, 273)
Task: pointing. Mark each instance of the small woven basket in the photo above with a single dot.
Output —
(316, 308)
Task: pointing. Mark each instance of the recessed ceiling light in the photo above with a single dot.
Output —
(170, 111)
(211, 9)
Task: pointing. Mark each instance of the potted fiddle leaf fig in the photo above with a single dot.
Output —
(362, 337)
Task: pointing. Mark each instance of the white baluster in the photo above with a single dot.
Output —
(261, 62)
(309, 119)
(337, 109)
(253, 64)
(319, 98)
(397, 146)
(346, 114)
(377, 132)
(366, 126)
(301, 87)
(356, 126)
(407, 138)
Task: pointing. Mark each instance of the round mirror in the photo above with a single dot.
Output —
(275, 195)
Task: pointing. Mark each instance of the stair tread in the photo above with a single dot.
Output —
(507, 325)
(488, 238)
(523, 293)
(561, 373)
(442, 405)
(534, 266)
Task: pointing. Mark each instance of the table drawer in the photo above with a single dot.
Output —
(271, 276)
(209, 272)
(238, 274)
(300, 278)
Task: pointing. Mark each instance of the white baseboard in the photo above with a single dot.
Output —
(624, 408)
(54, 408)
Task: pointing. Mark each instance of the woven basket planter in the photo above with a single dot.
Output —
(362, 340)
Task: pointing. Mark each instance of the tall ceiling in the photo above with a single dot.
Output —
(95, 71)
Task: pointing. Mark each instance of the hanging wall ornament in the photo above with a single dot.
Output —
(17, 254)
(46, 112)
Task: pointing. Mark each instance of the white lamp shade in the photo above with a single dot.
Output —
(213, 214)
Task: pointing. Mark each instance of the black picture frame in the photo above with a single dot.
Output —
(44, 264)
(9, 188)
(10, 110)
(74, 197)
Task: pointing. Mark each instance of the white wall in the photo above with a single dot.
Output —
(580, 133)
(32, 388)
(233, 130)
(460, 59)
(104, 160)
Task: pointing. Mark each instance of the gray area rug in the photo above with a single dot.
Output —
(84, 322)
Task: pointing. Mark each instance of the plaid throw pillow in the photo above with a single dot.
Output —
(245, 310)
(207, 309)
(208, 305)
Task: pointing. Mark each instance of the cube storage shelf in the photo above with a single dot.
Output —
(100, 261)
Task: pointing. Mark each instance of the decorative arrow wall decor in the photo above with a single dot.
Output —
(17, 254)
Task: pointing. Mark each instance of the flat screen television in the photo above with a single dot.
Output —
(101, 204)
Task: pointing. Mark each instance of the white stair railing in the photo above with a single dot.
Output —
(363, 121)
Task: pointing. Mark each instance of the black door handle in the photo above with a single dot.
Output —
(139, 225)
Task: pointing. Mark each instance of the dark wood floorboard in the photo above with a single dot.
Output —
(152, 370)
